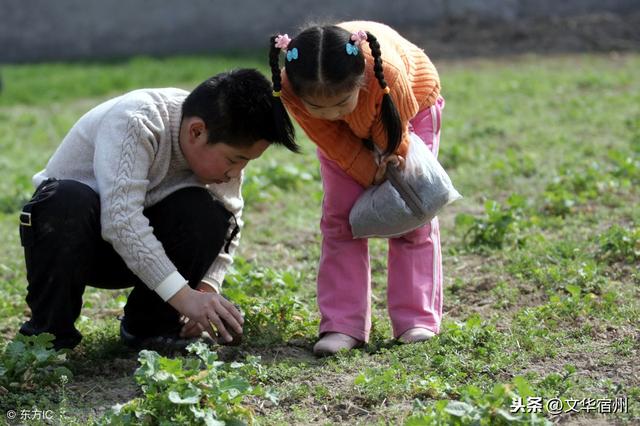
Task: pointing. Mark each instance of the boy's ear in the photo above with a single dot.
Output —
(197, 130)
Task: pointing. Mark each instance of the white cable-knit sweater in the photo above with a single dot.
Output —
(127, 150)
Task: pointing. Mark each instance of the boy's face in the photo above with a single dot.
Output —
(219, 162)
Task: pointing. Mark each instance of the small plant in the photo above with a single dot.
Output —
(620, 244)
(194, 390)
(498, 225)
(272, 310)
(557, 385)
(626, 166)
(30, 362)
(259, 185)
(476, 407)
(557, 265)
(575, 187)
(379, 383)
(516, 163)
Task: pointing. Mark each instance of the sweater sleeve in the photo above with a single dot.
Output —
(125, 148)
(230, 194)
(338, 142)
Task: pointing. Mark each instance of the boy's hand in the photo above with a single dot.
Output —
(206, 310)
(193, 328)
(394, 159)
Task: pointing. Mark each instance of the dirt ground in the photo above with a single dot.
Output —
(467, 37)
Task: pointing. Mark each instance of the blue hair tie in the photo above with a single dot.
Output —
(352, 49)
(292, 54)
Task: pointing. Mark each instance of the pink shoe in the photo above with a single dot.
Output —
(331, 343)
(416, 334)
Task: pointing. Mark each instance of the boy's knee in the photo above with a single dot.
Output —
(214, 229)
(191, 218)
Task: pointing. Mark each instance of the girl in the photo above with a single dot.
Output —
(351, 86)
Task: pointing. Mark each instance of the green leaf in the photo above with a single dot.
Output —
(209, 420)
(42, 355)
(44, 339)
(234, 383)
(506, 415)
(473, 322)
(171, 366)
(464, 220)
(574, 291)
(361, 379)
(190, 396)
(458, 408)
(523, 387)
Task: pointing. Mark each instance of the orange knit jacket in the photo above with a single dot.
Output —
(414, 84)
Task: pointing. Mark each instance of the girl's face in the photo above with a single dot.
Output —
(331, 107)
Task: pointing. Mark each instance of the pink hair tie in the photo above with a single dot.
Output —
(282, 41)
(358, 37)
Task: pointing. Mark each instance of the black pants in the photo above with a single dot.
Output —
(64, 252)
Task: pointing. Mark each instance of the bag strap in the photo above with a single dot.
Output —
(407, 193)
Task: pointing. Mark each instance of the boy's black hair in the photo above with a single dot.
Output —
(237, 108)
(323, 68)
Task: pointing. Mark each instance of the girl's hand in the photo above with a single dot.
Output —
(394, 159)
(207, 310)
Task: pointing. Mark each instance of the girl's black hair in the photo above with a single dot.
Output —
(279, 112)
(237, 108)
(323, 68)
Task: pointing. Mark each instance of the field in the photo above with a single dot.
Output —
(541, 263)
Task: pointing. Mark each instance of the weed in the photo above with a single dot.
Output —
(29, 362)
(476, 407)
(498, 225)
(196, 390)
(272, 310)
(618, 244)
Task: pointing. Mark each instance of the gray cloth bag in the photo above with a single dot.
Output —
(407, 200)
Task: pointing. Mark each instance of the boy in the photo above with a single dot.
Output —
(141, 193)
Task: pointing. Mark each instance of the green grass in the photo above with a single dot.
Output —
(540, 257)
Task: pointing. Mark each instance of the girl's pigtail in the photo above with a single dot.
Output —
(284, 127)
(389, 112)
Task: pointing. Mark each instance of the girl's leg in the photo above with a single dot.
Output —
(414, 289)
(344, 283)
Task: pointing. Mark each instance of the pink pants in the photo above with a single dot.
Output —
(414, 287)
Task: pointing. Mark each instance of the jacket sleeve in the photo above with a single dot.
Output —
(125, 149)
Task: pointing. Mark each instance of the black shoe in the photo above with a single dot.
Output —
(165, 343)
